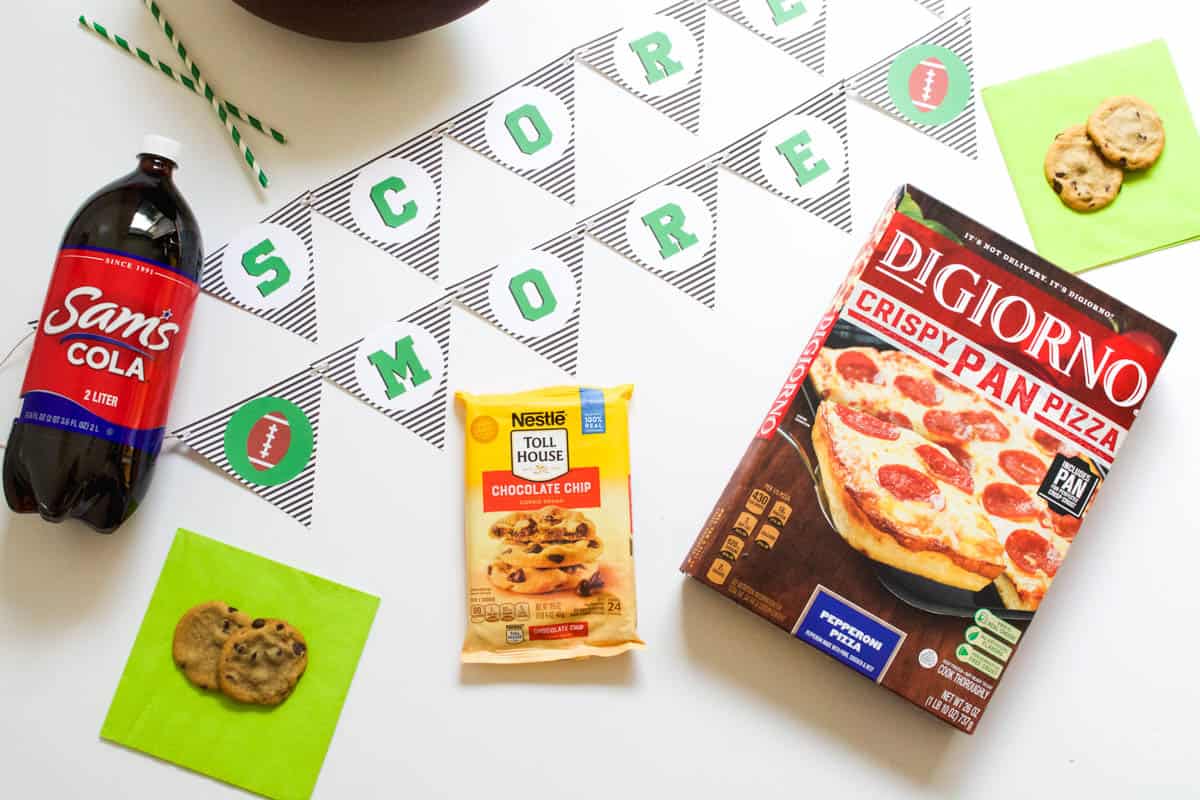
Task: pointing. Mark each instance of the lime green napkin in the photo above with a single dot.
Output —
(274, 751)
(1158, 208)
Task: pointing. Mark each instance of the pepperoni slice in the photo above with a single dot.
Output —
(949, 383)
(960, 454)
(896, 418)
(1046, 441)
(984, 426)
(919, 390)
(946, 425)
(907, 484)
(1009, 501)
(1065, 525)
(854, 366)
(866, 424)
(1022, 467)
(1031, 552)
(946, 468)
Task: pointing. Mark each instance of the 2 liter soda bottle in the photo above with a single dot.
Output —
(107, 350)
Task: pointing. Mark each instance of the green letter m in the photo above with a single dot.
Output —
(393, 367)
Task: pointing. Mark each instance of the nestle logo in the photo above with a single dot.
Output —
(539, 419)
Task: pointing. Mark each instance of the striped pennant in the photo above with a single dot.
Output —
(808, 47)
(743, 158)
(872, 85)
(427, 420)
(683, 105)
(560, 347)
(332, 200)
(470, 128)
(298, 316)
(207, 438)
(698, 281)
(935, 7)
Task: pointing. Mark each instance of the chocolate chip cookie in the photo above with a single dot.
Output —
(549, 524)
(262, 663)
(199, 636)
(531, 580)
(1075, 171)
(552, 554)
(1127, 131)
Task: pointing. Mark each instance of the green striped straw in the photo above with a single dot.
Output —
(183, 80)
(213, 99)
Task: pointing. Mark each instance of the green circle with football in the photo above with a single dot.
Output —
(269, 441)
(929, 85)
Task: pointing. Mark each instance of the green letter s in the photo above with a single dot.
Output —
(258, 261)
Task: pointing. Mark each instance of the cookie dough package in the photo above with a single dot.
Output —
(549, 525)
(915, 488)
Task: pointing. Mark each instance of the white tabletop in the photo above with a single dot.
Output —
(1100, 702)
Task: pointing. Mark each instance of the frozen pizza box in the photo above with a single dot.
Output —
(922, 475)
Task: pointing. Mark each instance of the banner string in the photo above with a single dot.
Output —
(16, 347)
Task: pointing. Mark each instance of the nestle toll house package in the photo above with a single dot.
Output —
(922, 475)
(549, 525)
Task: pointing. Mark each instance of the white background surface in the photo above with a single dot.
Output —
(1102, 699)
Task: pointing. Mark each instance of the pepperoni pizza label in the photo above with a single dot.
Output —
(937, 444)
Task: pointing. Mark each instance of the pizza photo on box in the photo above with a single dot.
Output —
(937, 446)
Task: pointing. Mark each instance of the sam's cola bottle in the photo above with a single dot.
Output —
(107, 350)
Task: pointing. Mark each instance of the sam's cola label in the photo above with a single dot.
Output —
(108, 347)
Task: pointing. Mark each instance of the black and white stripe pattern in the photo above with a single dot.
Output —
(684, 105)
(808, 48)
(469, 128)
(332, 200)
(207, 438)
(427, 420)
(698, 282)
(954, 34)
(298, 316)
(742, 157)
(561, 347)
(936, 7)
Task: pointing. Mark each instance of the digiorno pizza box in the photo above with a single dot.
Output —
(917, 483)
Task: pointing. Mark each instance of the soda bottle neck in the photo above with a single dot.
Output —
(156, 165)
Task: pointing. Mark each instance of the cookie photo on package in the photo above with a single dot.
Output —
(918, 482)
(549, 528)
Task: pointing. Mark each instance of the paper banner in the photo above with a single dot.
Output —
(401, 369)
(394, 201)
(269, 270)
(670, 229)
(936, 7)
(535, 296)
(528, 128)
(802, 156)
(797, 27)
(267, 442)
(928, 84)
(659, 58)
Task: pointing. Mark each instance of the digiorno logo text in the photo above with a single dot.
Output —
(539, 419)
(107, 336)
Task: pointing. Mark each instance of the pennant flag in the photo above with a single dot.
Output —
(268, 269)
(797, 28)
(535, 296)
(802, 156)
(401, 369)
(528, 128)
(928, 84)
(659, 58)
(670, 229)
(936, 7)
(394, 201)
(267, 442)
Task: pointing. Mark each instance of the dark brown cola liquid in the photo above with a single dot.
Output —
(62, 474)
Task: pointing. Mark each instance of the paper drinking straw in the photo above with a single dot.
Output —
(182, 80)
(213, 98)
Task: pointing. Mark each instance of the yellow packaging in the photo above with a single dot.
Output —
(548, 525)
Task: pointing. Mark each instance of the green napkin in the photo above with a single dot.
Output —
(274, 751)
(1155, 209)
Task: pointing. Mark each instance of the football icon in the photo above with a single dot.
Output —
(928, 84)
(268, 441)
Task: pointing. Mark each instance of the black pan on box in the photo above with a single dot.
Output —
(915, 590)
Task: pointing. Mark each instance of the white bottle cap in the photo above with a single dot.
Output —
(157, 145)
